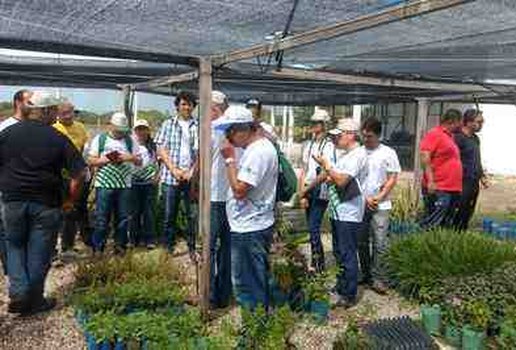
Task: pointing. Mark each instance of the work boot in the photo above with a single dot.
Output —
(42, 305)
(18, 305)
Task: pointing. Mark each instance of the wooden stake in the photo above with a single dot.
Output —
(421, 123)
(205, 87)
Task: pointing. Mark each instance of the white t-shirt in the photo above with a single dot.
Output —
(185, 158)
(315, 148)
(219, 180)
(352, 163)
(258, 167)
(381, 161)
(8, 122)
(113, 176)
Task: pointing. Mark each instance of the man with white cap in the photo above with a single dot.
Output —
(32, 157)
(250, 208)
(347, 205)
(113, 154)
(220, 243)
(314, 190)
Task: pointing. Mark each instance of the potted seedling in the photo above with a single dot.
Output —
(476, 320)
(316, 288)
(453, 321)
(430, 312)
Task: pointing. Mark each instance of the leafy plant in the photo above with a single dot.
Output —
(477, 315)
(405, 204)
(262, 331)
(351, 338)
(506, 340)
(452, 312)
(425, 259)
(317, 285)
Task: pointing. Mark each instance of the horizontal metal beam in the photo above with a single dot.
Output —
(86, 50)
(391, 14)
(471, 97)
(154, 83)
(351, 79)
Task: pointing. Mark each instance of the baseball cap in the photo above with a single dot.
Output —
(343, 125)
(320, 115)
(119, 121)
(41, 99)
(218, 97)
(235, 115)
(141, 123)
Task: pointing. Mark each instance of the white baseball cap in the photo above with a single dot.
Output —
(343, 125)
(320, 115)
(141, 123)
(42, 99)
(218, 97)
(119, 121)
(235, 115)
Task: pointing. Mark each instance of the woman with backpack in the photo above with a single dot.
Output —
(144, 188)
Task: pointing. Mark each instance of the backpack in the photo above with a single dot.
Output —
(287, 179)
(103, 139)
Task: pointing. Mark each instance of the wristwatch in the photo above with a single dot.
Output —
(229, 161)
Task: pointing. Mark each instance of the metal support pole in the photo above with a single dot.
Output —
(205, 88)
(423, 106)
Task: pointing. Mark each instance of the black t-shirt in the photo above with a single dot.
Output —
(469, 147)
(32, 158)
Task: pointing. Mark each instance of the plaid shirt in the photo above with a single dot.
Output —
(169, 137)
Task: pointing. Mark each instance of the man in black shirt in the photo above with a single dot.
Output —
(469, 146)
(32, 157)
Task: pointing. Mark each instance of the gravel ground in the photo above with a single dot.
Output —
(58, 330)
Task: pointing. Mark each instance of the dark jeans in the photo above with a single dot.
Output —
(142, 220)
(76, 220)
(440, 208)
(250, 267)
(174, 195)
(31, 234)
(314, 217)
(467, 204)
(108, 202)
(373, 244)
(220, 256)
(3, 248)
(345, 235)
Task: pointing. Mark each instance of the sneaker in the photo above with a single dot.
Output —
(18, 306)
(68, 256)
(151, 246)
(379, 287)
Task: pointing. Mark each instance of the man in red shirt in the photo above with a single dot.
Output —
(442, 178)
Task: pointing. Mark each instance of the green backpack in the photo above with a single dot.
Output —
(287, 179)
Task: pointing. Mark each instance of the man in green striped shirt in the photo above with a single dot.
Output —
(113, 154)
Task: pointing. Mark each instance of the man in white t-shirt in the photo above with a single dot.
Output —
(220, 232)
(250, 208)
(384, 167)
(113, 154)
(20, 99)
(314, 190)
(347, 205)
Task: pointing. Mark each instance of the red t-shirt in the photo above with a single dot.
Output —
(444, 160)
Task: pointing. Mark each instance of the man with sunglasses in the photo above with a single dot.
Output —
(75, 217)
(313, 189)
(32, 157)
(252, 180)
(347, 204)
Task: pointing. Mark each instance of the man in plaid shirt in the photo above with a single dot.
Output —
(177, 145)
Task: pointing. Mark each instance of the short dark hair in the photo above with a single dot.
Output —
(18, 96)
(469, 116)
(372, 124)
(186, 96)
(451, 115)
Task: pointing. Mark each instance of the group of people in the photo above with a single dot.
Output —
(47, 166)
(453, 172)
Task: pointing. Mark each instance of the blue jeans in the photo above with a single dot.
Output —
(314, 217)
(346, 235)
(220, 256)
(440, 209)
(31, 234)
(142, 220)
(174, 195)
(109, 202)
(250, 267)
